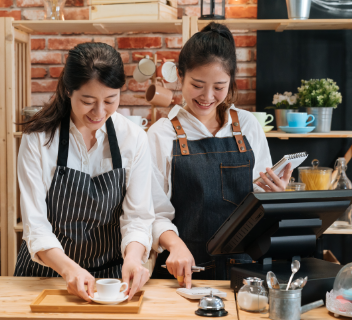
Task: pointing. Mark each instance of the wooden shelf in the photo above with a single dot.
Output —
(286, 136)
(103, 26)
(280, 25)
(17, 134)
(338, 231)
(19, 227)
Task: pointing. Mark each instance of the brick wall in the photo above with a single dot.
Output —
(49, 50)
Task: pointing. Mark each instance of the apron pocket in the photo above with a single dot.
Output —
(235, 181)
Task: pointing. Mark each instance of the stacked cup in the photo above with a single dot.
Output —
(263, 117)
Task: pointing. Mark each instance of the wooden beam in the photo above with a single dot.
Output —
(185, 29)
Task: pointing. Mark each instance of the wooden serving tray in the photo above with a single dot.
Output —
(62, 301)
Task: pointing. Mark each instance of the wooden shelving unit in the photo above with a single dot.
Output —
(15, 94)
(286, 136)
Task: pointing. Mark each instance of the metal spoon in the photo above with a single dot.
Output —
(297, 283)
(295, 265)
(272, 281)
(305, 280)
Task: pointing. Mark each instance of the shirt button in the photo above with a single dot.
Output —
(85, 163)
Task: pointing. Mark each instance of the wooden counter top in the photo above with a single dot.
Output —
(160, 300)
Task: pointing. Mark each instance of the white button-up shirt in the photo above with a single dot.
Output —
(37, 164)
(161, 136)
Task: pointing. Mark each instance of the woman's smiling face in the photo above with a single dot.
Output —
(93, 104)
(204, 88)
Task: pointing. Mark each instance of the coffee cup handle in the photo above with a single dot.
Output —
(271, 118)
(162, 82)
(126, 284)
(145, 124)
(310, 115)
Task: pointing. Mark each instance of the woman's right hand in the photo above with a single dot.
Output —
(76, 278)
(179, 263)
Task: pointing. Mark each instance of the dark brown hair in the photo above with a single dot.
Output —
(86, 61)
(214, 43)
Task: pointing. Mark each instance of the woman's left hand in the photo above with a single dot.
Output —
(277, 184)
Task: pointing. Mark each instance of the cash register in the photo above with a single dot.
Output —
(277, 228)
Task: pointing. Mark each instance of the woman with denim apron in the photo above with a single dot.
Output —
(85, 176)
(205, 156)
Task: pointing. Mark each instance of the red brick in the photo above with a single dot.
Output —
(243, 84)
(246, 70)
(37, 44)
(29, 14)
(133, 85)
(38, 99)
(125, 56)
(243, 54)
(192, 11)
(124, 88)
(76, 13)
(245, 41)
(246, 98)
(238, 1)
(129, 68)
(44, 85)
(6, 3)
(108, 40)
(16, 14)
(186, 2)
(38, 72)
(46, 58)
(237, 12)
(255, 1)
(173, 42)
(254, 84)
(138, 42)
(168, 55)
(65, 43)
(255, 55)
(141, 53)
(177, 99)
(128, 99)
(162, 113)
(74, 3)
(55, 72)
(29, 3)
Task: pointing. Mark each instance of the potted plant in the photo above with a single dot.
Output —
(320, 97)
(283, 104)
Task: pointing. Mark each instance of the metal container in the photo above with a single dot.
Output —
(281, 117)
(298, 9)
(323, 117)
(285, 305)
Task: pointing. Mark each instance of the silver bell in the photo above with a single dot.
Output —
(211, 306)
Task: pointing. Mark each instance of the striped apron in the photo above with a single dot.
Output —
(84, 213)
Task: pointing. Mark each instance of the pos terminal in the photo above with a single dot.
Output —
(276, 228)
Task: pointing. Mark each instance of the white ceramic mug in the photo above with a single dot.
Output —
(144, 70)
(109, 289)
(262, 118)
(138, 120)
(169, 71)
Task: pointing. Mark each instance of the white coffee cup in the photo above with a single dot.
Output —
(144, 70)
(109, 289)
(262, 117)
(138, 120)
(169, 71)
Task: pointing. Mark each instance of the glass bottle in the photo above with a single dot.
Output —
(54, 9)
(341, 182)
(252, 296)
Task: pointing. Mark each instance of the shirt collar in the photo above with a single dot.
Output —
(98, 133)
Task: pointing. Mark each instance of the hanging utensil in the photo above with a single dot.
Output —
(295, 265)
(305, 280)
(272, 281)
(297, 283)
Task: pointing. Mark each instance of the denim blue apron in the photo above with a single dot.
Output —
(210, 178)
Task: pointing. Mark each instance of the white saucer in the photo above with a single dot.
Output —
(111, 302)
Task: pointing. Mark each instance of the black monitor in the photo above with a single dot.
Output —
(279, 225)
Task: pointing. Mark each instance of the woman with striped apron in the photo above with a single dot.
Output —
(85, 179)
(205, 156)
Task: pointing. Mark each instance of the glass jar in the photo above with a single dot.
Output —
(29, 112)
(315, 178)
(295, 186)
(54, 9)
(252, 296)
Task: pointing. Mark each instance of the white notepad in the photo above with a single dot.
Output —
(295, 159)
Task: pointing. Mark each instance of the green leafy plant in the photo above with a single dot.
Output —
(319, 93)
(284, 101)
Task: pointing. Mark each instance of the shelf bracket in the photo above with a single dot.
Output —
(100, 27)
(281, 27)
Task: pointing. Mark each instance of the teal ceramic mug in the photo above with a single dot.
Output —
(299, 119)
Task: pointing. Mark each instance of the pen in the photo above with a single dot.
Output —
(194, 268)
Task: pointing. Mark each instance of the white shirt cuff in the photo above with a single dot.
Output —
(158, 229)
(256, 188)
(143, 239)
(41, 244)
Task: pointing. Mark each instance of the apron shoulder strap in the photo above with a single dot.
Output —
(64, 141)
(237, 128)
(179, 132)
(114, 146)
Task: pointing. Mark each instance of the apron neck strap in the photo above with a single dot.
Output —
(237, 128)
(182, 140)
(65, 136)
